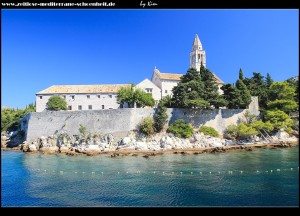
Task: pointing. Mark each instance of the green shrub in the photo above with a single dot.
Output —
(240, 131)
(82, 129)
(209, 131)
(146, 126)
(181, 129)
(260, 125)
(245, 131)
(231, 132)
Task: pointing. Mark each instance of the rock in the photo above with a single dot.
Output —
(32, 148)
(281, 134)
(125, 141)
(64, 149)
(141, 146)
(165, 141)
(49, 150)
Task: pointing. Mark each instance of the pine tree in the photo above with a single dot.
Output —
(189, 92)
(269, 80)
(160, 117)
(241, 74)
(244, 94)
(231, 95)
(211, 93)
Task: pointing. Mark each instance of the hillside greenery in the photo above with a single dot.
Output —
(10, 117)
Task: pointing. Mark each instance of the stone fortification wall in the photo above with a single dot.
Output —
(120, 121)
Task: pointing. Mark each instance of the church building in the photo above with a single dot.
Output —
(96, 97)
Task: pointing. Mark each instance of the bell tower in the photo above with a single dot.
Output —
(197, 55)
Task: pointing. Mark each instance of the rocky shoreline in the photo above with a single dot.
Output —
(136, 144)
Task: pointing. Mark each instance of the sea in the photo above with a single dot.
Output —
(240, 178)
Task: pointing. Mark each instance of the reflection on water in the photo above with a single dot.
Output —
(237, 178)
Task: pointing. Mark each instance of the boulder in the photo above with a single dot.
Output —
(281, 134)
(32, 148)
(125, 141)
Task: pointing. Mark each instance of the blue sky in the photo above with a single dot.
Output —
(41, 48)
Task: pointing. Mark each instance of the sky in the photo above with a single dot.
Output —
(41, 48)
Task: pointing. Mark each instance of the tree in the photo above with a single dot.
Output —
(189, 90)
(211, 94)
(294, 83)
(269, 80)
(278, 119)
(285, 105)
(244, 94)
(281, 90)
(231, 95)
(257, 87)
(143, 99)
(282, 97)
(56, 103)
(10, 117)
(132, 96)
(241, 74)
(160, 117)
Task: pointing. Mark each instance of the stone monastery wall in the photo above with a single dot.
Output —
(120, 121)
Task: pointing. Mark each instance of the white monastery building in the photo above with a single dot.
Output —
(96, 97)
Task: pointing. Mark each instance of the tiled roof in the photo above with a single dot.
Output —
(169, 76)
(73, 89)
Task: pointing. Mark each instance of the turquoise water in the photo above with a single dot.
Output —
(162, 180)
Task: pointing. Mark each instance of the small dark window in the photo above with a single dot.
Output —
(41, 97)
(166, 91)
(90, 107)
(73, 96)
(79, 107)
(98, 96)
(88, 96)
(69, 107)
(102, 106)
(64, 96)
(110, 96)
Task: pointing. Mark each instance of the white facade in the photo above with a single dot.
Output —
(82, 97)
(81, 101)
(151, 88)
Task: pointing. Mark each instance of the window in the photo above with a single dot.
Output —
(149, 90)
(166, 91)
(90, 107)
(69, 107)
(41, 97)
(110, 96)
(64, 96)
(73, 97)
(79, 107)
(98, 96)
(88, 96)
(102, 106)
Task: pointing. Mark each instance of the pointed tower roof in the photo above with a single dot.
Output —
(197, 42)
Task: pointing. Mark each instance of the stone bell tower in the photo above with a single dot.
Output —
(197, 55)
